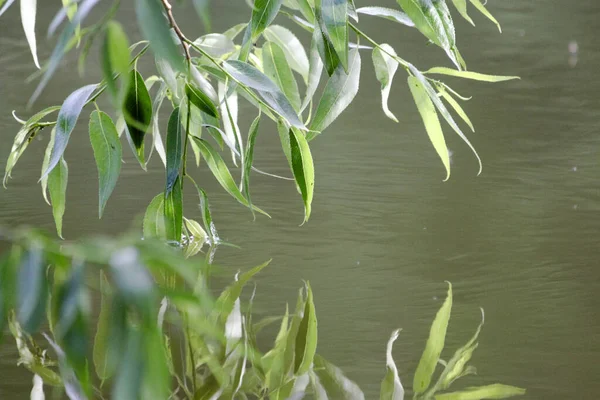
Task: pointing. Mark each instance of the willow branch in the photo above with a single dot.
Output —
(178, 31)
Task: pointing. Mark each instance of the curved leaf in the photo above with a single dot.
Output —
(470, 75)
(221, 172)
(391, 387)
(32, 290)
(315, 72)
(174, 150)
(292, 47)
(28, 16)
(431, 121)
(57, 186)
(44, 180)
(334, 383)
(263, 13)
(306, 340)
(67, 118)
(385, 69)
(108, 154)
(215, 44)
(457, 107)
(303, 168)
(461, 6)
(496, 391)
(478, 5)
(332, 15)
(155, 28)
(22, 140)
(174, 212)
(201, 100)
(268, 90)
(137, 109)
(101, 361)
(249, 158)
(434, 346)
(387, 13)
(338, 93)
(277, 68)
(154, 218)
(115, 55)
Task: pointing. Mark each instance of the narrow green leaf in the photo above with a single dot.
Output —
(67, 118)
(101, 342)
(457, 107)
(434, 346)
(129, 376)
(108, 154)
(338, 94)
(314, 74)
(201, 100)
(154, 218)
(32, 290)
(470, 75)
(203, 10)
(443, 110)
(268, 90)
(209, 226)
(330, 59)
(216, 44)
(278, 70)
(4, 4)
(455, 368)
(479, 5)
(431, 121)
(334, 383)
(306, 7)
(155, 28)
(461, 6)
(387, 13)
(303, 168)
(385, 69)
(174, 212)
(57, 186)
(137, 109)
(226, 300)
(433, 20)
(115, 56)
(22, 140)
(496, 391)
(44, 179)
(391, 387)
(28, 16)
(156, 376)
(332, 15)
(249, 158)
(174, 150)
(306, 340)
(292, 47)
(221, 173)
(263, 13)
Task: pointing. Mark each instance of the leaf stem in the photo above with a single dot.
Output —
(178, 31)
(401, 61)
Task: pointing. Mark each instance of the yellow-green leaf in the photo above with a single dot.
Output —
(306, 339)
(496, 391)
(57, 186)
(431, 121)
(478, 5)
(303, 168)
(470, 75)
(434, 346)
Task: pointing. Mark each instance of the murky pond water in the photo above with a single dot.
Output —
(521, 240)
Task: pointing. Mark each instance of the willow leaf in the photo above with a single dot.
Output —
(391, 387)
(174, 212)
(332, 15)
(174, 151)
(107, 153)
(277, 69)
(303, 168)
(67, 118)
(470, 75)
(137, 109)
(292, 47)
(479, 6)
(387, 13)
(115, 56)
(334, 383)
(495, 391)
(249, 158)
(434, 346)
(104, 369)
(385, 69)
(57, 187)
(28, 17)
(263, 13)
(314, 74)
(154, 218)
(221, 173)
(457, 107)
(306, 340)
(461, 6)
(338, 94)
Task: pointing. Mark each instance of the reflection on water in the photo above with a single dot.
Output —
(520, 240)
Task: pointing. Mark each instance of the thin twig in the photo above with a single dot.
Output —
(178, 32)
